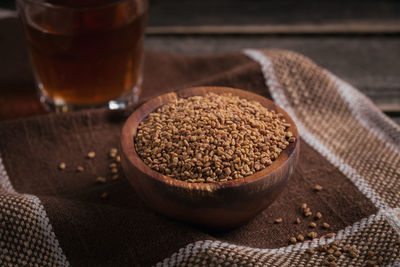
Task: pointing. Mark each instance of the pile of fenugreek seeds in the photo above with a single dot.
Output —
(211, 138)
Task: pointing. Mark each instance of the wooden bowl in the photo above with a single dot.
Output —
(220, 205)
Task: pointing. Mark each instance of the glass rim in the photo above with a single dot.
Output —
(61, 6)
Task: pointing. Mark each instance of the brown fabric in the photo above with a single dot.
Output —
(121, 230)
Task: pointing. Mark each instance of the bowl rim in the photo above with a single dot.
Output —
(129, 131)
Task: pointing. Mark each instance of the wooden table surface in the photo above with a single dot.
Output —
(357, 40)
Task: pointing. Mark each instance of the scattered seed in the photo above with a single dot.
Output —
(297, 221)
(330, 251)
(325, 225)
(91, 155)
(310, 251)
(278, 220)
(118, 159)
(80, 169)
(317, 188)
(62, 166)
(100, 180)
(370, 253)
(300, 237)
(318, 215)
(114, 170)
(114, 150)
(334, 247)
(312, 235)
(112, 155)
(379, 260)
(115, 177)
(312, 225)
(330, 235)
(293, 240)
(307, 214)
(332, 264)
(104, 195)
(336, 243)
(113, 165)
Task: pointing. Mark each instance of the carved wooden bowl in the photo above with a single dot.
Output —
(220, 205)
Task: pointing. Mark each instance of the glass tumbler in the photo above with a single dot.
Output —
(85, 53)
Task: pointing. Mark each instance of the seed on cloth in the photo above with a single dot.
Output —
(118, 159)
(114, 170)
(313, 225)
(337, 253)
(379, 260)
(115, 177)
(331, 258)
(62, 166)
(300, 237)
(278, 220)
(114, 150)
(330, 235)
(113, 165)
(325, 225)
(318, 215)
(219, 136)
(310, 251)
(370, 263)
(370, 253)
(91, 155)
(312, 235)
(317, 188)
(80, 169)
(100, 180)
(297, 221)
(293, 240)
(308, 214)
(330, 251)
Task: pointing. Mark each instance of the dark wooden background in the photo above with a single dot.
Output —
(357, 40)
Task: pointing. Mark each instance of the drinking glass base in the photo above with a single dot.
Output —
(58, 106)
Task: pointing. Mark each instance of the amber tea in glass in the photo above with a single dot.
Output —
(85, 53)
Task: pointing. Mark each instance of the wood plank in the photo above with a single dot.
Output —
(329, 29)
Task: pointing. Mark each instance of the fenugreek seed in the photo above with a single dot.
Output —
(353, 254)
(115, 177)
(370, 253)
(335, 242)
(312, 235)
(337, 253)
(100, 180)
(332, 264)
(318, 215)
(317, 188)
(91, 155)
(118, 159)
(325, 225)
(114, 150)
(104, 195)
(293, 240)
(308, 214)
(334, 247)
(79, 169)
(310, 251)
(300, 237)
(313, 225)
(113, 165)
(330, 235)
(303, 206)
(330, 251)
(292, 139)
(278, 220)
(210, 180)
(379, 260)
(62, 166)
(223, 135)
(112, 155)
(114, 170)
(331, 257)
(297, 221)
